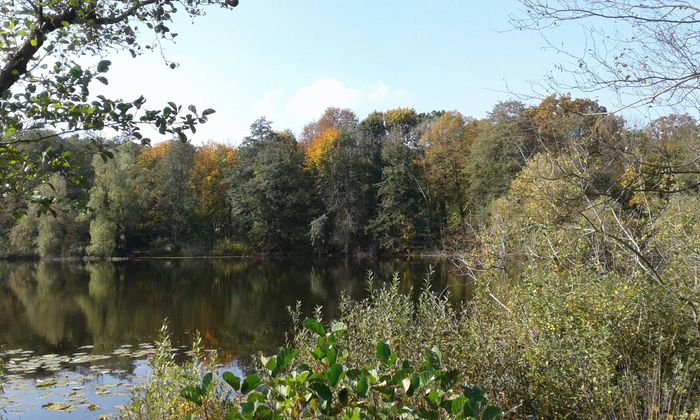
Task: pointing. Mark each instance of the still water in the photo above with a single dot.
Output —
(74, 337)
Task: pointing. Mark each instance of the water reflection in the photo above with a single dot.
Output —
(238, 305)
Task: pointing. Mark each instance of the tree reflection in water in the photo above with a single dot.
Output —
(238, 305)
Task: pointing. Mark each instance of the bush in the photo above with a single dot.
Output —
(290, 388)
(159, 395)
(557, 343)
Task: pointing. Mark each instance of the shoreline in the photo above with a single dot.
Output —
(403, 256)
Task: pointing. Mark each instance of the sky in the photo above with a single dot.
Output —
(290, 60)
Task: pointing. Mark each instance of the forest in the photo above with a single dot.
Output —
(397, 182)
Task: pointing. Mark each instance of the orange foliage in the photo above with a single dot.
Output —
(332, 118)
(151, 156)
(320, 146)
(208, 176)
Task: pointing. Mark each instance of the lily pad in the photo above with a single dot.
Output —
(54, 406)
(46, 384)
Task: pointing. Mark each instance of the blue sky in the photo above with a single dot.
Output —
(289, 60)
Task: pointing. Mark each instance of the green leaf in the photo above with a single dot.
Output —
(433, 398)
(192, 394)
(231, 379)
(332, 355)
(270, 363)
(362, 386)
(322, 390)
(457, 405)
(314, 326)
(426, 378)
(250, 383)
(207, 383)
(334, 374)
(103, 66)
(208, 111)
(354, 416)
(285, 357)
(383, 352)
(491, 413)
(34, 42)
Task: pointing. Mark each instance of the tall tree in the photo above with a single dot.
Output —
(211, 164)
(447, 146)
(332, 118)
(402, 221)
(119, 201)
(269, 194)
(174, 193)
(499, 151)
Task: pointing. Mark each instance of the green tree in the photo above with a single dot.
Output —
(174, 193)
(119, 203)
(61, 231)
(269, 194)
(56, 231)
(402, 221)
(44, 85)
(497, 154)
(344, 182)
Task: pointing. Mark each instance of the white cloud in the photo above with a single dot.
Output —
(308, 103)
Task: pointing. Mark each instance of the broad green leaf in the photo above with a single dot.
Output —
(334, 373)
(433, 398)
(362, 386)
(314, 326)
(270, 363)
(207, 382)
(285, 357)
(192, 394)
(250, 383)
(383, 352)
(322, 390)
(103, 66)
(491, 413)
(231, 379)
(457, 405)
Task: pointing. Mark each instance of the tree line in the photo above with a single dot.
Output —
(397, 181)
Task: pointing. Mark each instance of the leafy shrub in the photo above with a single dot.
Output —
(158, 397)
(328, 387)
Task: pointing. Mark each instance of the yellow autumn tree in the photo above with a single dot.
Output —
(208, 178)
(320, 146)
(447, 144)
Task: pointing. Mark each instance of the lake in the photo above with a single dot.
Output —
(74, 336)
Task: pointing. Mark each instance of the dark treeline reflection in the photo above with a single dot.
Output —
(238, 306)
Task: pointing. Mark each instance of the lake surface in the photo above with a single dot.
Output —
(76, 336)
